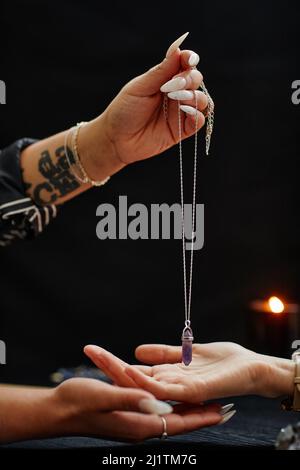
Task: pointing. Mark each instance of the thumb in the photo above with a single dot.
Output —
(158, 354)
(131, 399)
(151, 81)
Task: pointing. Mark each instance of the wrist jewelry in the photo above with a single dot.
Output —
(80, 173)
(293, 403)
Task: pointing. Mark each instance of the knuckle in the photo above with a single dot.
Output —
(123, 401)
(157, 68)
(183, 425)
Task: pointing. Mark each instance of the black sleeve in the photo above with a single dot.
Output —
(20, 217)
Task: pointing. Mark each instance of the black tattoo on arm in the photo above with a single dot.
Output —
(26, 185)
(58, 179)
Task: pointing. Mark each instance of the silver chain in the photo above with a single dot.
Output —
(188, 294)
(210, 114)
(209, 129)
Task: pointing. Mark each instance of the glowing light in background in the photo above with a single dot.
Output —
(276, 305)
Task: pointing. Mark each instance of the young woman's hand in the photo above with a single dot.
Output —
(126, 414)
(88, 407)
(217, 370)
(134, 122)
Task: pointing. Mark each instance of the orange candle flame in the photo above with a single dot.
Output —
(276, 305)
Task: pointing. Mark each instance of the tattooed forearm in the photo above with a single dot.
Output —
(56, 178)
(47, 176)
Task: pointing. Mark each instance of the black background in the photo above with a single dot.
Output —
(64, 62)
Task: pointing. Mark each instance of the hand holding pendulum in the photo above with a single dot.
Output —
(187, 343)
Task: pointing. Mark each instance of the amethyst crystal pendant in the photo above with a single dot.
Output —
(187, 344)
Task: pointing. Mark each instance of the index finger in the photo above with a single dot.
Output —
(111, 365)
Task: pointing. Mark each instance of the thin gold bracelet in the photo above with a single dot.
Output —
(74, 146)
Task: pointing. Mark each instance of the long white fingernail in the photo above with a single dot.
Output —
(227, 417)
(188, 109)
(181, 95)
(174, 46)
(173, 85)
(193, 59)
(152, 406)
(226, 408)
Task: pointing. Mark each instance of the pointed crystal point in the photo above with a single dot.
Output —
(187, 345)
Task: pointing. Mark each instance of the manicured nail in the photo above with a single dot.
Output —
(152, 406)
(181, 95)
(194, 59)
(188, 109)
(226, 408)
(194, 74)
(173, 85)
(174, 46)
(227, 417)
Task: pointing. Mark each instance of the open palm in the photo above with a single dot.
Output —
(217, 370)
